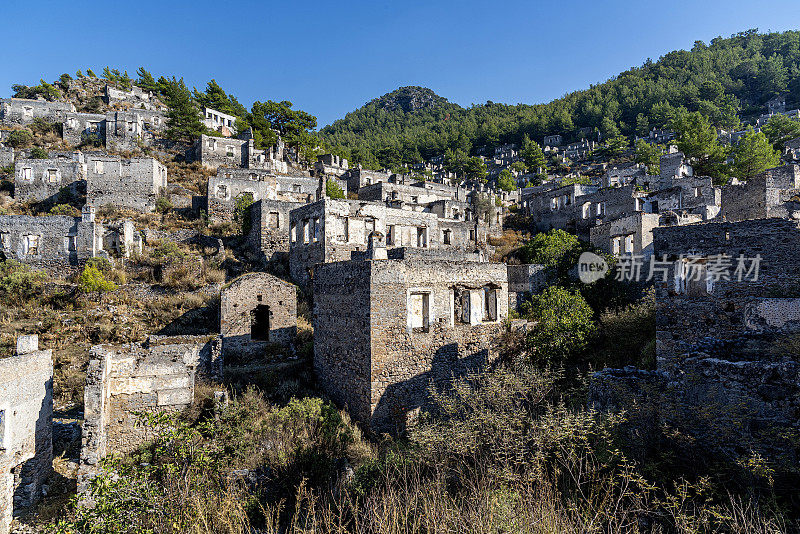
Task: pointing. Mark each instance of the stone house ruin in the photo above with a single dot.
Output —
(358, 178)
(219, 122)
(772, 193)
(156, 376)
(79, 128)
(120, 130)
(23, 111)
(230, 185)
(6, 156)
(257, 310)
(26, 427)
(330, 165)
(55, 241)
(213, 152)
(331, 230)
(384, 329)
(268, 239)
(134, 183)
(136, 97)
(41, 180)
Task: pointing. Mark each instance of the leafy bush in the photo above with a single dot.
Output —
(166, 250)
(65, 209)
(93, 280)
(549, 248)
(242, 211)
(564, 324)
(19, 283)
(19, 139)
(39, 153)
(333, 190)
(163, 205)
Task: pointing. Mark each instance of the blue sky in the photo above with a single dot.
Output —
(329, 58)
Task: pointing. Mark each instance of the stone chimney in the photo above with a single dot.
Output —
(376, 246)
(321, 187)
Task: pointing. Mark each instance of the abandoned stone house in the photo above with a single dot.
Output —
(79, 128)
(136, 97)
(384, 329)
(358, 178)
(553, 140)
(26, 432)
(772, 193)
(257, 310)
(214, 152)
(330, 165)
(331, 230)
(619, 176)
(776, 104)
(219, 122)
(231, 185)
(120, 130)
(579, 150)
(724, 309)
(41, 180)
(134, 183)
(268, 240)
(123, 381)
(23, 111)
(694, 195)
(399, 195)
(525, 280)
(56, 241)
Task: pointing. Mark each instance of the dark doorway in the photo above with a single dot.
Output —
(259, 323)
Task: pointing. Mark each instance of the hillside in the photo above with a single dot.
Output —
(727, 80)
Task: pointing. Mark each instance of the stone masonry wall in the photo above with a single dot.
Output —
(42, 179)
(62, 240)
(134, 183)
(238, 302)
(26, 412)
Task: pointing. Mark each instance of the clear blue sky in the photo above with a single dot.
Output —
(329, 58)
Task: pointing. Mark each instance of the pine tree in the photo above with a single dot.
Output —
(534, 158)
(754, 154)
(183, 118)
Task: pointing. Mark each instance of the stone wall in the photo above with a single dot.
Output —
(156, 376)
(132, 183)
(26, 427)
(80, 127)
(269, 231)
(627, 235)
(768, 194)
(332, 230)
(6, 156)
(257, 310)
(24, 111)
(358, 178)
(385, 329)
(50, 241)
(214, 152)
(41, 180)
(230, 184)
(524, 281)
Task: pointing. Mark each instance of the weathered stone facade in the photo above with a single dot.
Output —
(627, 235)
(385, 329)
(26, 427)
(214, 152)
(772, 193)
(231, 184)
(6, 157)
(330, 165)
(331, 230)
(524, 281)
(358, 178)
(24, 111)
(41, 180)
(256, 310)
(269, 231)
(134, 183)
(157, 376)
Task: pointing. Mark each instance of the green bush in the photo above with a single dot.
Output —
(166, 250)
(65, 209)
(39, 153)
(163, 205)
(333, 190)
(93, 280)
(242, 211)
(19, 139)
(19, 283)
(564, 324)
(549, 248)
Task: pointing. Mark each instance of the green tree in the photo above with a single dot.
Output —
(754, 154)
(270, 119)
(183, 117)
(697, 139)
(242, 211)
(38, 153)
(146, 81)
(92, 280)
(563, 325)
(549, 248)
(19, 139)
(780, 129)
(476, 169)
(333, 190)
(649, 155)
(534, 158)
(215, 97)
(506, 181)
(19, 283)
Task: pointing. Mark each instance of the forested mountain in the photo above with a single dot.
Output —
(727, 80)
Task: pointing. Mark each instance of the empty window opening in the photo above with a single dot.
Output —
(446, 239)
(30, 245)
(420, 311)
(259, 323)
(422, 237)
(4, 435)
(629, 244)
(274, 220)
(489, 304)
(390, 235)
(52, 175)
